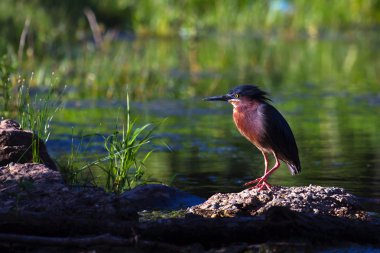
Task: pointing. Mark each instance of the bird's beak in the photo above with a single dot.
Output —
(218, 98)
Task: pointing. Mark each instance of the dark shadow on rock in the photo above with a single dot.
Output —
(16, 145)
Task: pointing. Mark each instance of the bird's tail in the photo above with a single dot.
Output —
(294, 168)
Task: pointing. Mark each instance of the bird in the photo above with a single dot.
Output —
(264, 126)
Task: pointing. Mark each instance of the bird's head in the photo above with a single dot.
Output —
(241, 94)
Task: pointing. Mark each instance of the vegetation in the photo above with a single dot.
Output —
(124, 170)
(123, 166)
(69, 165)
(6, 70)
(36, 115)
(58, 38)
(65, 21)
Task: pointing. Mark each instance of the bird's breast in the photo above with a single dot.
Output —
(251, 125)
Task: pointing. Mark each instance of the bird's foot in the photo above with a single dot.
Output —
(257, 180)
(261, 183)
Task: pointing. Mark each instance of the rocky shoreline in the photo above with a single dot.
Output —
(37, 209)
(310, 199)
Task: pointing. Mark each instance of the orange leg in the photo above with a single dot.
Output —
(261, 182)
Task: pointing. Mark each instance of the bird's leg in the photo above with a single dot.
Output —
(265, 162)
(262, 181)
(275, 167)
(265, 171)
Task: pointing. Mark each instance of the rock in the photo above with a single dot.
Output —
(160, 197)
(34, 200)
(15, 145)
(31, 187)
(277, 224)
(35, 188)
(310, 199)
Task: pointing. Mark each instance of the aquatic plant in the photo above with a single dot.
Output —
(68, 167)
(36, 113)
(124, 165)
(125, 170)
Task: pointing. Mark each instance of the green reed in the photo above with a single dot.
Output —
(35, 114)
(124, 163)
(125, 170)
(68, 165)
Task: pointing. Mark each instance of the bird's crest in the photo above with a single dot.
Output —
(250, 91)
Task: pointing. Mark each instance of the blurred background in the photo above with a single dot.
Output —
(319, 60)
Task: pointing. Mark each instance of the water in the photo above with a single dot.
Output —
(328, 90)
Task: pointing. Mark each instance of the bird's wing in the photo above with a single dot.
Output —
(279, 135)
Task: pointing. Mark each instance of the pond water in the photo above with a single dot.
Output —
(328, 89)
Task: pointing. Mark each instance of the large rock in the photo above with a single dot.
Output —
(16, 145)
(34, 188)
(309, 199)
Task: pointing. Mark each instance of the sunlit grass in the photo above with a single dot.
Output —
(124, 170)
(35, 113)
(122, 164)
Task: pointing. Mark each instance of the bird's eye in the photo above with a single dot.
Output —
(237, 95)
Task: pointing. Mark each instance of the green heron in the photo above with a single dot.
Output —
(263, 126)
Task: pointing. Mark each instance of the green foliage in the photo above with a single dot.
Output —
(36, 113)
(59, 40)
(6, 69)
(125, 170)
(124, 165)
(69, 167)
(63, 22)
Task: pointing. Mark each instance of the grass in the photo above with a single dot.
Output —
(124, 162)
(125, 170)
(35, 114)
(122, 165)
(69, 167)
(177, 69)
(171, 68)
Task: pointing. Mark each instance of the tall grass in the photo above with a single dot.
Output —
(125, 170)
(124, 163)
(36, 113)
(69, 166)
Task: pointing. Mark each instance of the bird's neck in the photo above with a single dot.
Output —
(247, 120)
(246, 106)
